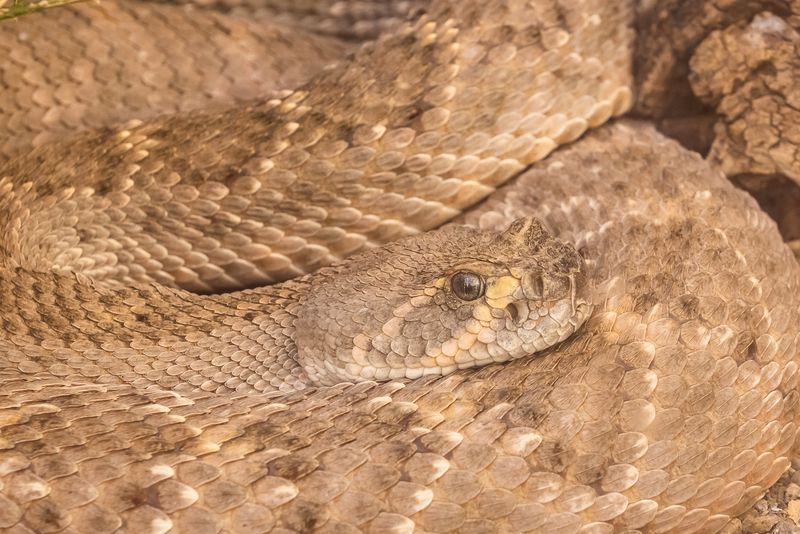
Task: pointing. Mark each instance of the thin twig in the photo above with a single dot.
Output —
(25, 7)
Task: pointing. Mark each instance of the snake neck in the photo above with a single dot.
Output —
(150, 335)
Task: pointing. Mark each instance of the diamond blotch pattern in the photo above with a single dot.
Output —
(672, 409)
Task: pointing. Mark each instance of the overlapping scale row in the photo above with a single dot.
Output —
(671, 411)
(96, 65)
(417, 126)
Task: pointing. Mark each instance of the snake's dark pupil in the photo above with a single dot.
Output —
(467, 286)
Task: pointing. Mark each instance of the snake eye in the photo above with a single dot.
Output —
(467, 285)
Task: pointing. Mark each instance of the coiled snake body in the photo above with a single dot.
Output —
(129, 403)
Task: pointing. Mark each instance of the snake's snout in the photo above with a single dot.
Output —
(442, 301)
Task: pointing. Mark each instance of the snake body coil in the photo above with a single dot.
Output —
(129, 403)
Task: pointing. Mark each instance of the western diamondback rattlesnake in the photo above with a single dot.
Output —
(673, 407)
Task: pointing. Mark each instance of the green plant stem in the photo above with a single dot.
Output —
(25, 7)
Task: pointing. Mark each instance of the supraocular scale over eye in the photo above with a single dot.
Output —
(467, 285)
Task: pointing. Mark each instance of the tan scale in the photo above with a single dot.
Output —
(129, 403)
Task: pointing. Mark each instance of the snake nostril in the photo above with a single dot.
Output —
(533, 286)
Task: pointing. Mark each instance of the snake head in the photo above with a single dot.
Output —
(433, 303)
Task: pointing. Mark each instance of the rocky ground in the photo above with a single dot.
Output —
(777, 513)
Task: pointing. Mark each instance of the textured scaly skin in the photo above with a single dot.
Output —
(361, 155)
(692, 345)
(672, 409)
(364, 19)
(98, 64)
